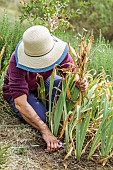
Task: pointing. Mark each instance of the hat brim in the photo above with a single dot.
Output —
(41, 63)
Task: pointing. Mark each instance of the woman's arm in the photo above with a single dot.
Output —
(32, 118)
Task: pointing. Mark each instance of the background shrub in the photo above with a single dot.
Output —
(93, 15)
(10, 34)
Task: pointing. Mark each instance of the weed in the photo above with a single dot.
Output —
(3, 154)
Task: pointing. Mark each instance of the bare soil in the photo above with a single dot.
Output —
(26, 148)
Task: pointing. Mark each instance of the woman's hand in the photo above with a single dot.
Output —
(53, 144)
(81, 84)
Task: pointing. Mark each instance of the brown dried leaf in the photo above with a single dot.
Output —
(65, 165)
(2, 51)
(73, 54)
(69, 152)
(69, 94)
(64, 125)
(104, 160)
(89, 44)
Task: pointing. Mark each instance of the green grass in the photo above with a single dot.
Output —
(10, 34)
(101, 56)
(12, 8)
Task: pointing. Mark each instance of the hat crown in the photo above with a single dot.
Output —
(37, 41)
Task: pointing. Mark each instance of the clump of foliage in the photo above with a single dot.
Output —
(9, 36)
(93, 15)
(75, 14)
(52, 14)
(85, 120)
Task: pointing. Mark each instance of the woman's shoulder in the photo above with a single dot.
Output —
(13, 65)
(67, 58)
(12, 58)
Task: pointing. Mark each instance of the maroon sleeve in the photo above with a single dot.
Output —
(17, 82)
(66, 65)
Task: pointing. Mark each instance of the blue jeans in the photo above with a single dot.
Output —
(37, 105)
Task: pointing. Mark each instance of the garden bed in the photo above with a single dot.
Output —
(26, 148)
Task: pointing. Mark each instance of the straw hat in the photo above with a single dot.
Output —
(39, 51)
